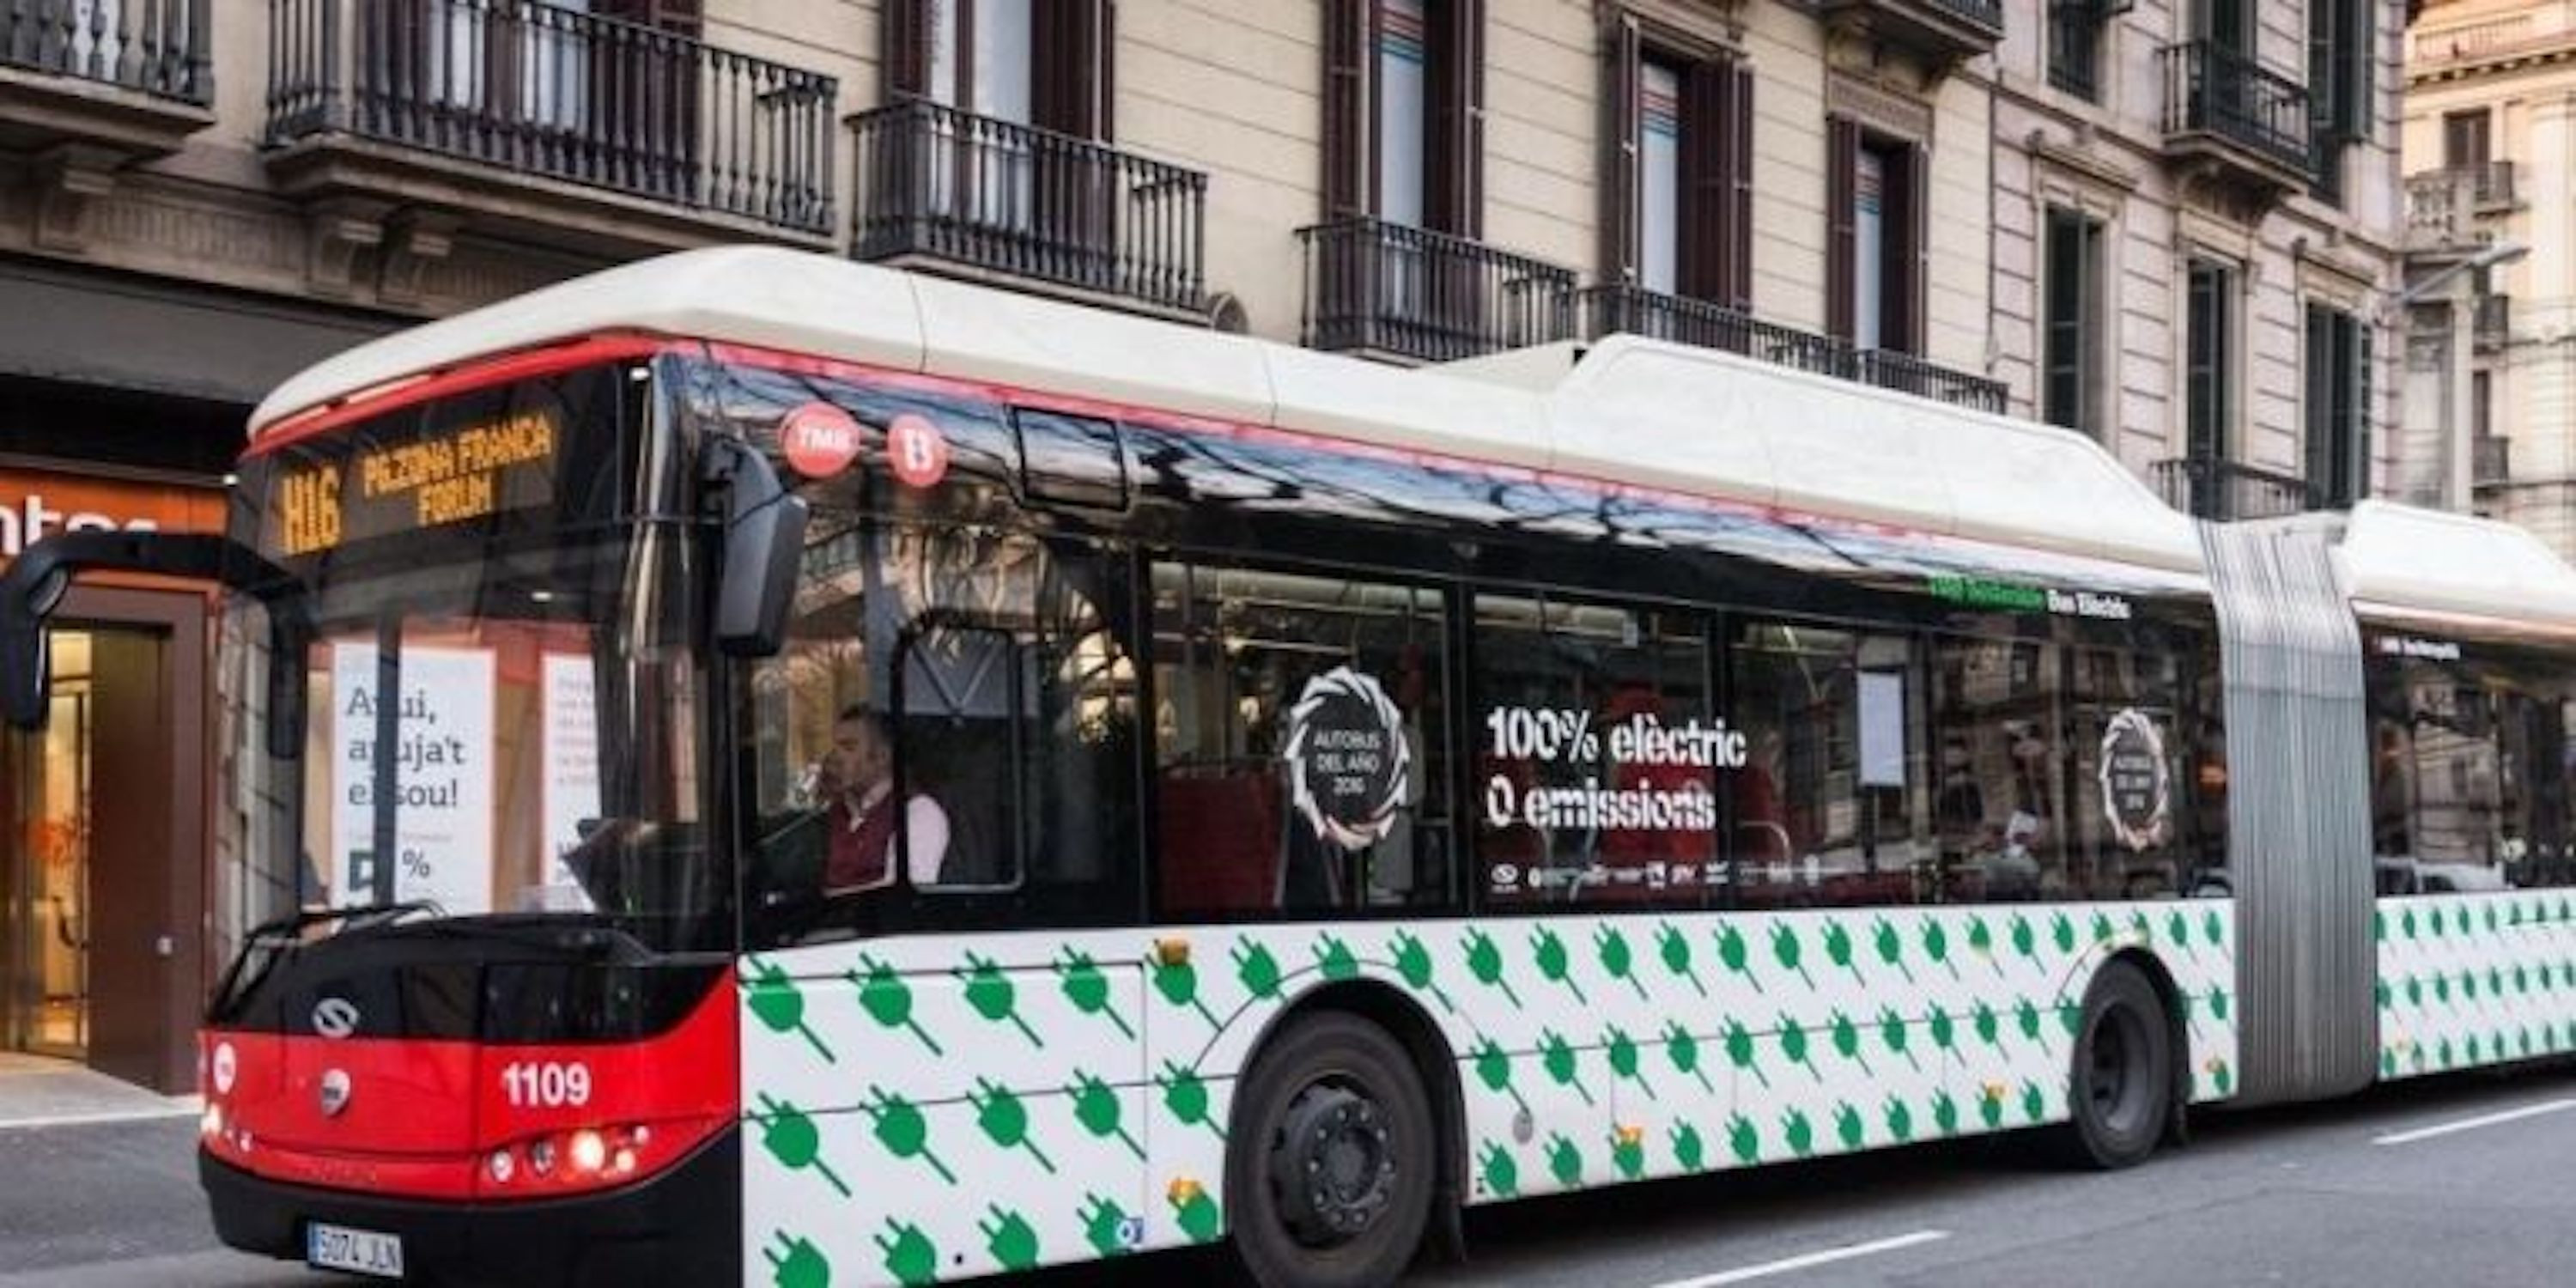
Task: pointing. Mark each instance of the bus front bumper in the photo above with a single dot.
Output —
(680, 1226)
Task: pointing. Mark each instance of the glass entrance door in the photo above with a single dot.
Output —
(46, 875)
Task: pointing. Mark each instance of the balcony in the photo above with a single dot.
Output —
(975, 197)
(1945, 32)
(589, 132)
(2451, 210)
(2491, 323)
(88, 87)
(2234, 120)
(1632, 310)
(1390, 291)
(2224, 491)
(2490, 460)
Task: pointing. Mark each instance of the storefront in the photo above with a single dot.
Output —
(102, 886)
(126, 406)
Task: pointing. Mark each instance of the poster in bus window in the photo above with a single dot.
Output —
(442, 758)
(571, 770)
(1348, 762)
(2137, 786)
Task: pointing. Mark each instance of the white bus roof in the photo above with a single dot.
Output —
(2399, 559)
(1637, 412)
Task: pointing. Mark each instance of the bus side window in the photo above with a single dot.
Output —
(1301, 755)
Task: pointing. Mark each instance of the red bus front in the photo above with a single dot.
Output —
(480, 1024)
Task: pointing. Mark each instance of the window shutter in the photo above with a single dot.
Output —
(1912, 227)
(2320, 385)
(2354, 78)
(1842, 182)
(904, 48)
(1736, 291)
(1346, 115)
(2360, 410)
(1457, 89)
(1620, 217)
(1071, 41)
(1706, 183)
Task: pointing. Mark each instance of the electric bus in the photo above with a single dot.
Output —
(755, 768)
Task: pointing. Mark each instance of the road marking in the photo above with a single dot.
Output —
(2472, 1124)
(85, 1120)
(1806, 1260)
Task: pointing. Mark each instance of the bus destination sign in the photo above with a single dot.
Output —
(389, 488)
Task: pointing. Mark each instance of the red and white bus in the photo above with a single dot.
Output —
(754, 768)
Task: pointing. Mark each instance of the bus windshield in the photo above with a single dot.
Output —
(491, 653)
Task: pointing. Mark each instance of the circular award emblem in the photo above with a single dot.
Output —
(2137, 785)
(819, 439)
(917, 450)
(1348, 764)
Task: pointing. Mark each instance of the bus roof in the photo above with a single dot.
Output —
(2399, 559)
(1631, 411)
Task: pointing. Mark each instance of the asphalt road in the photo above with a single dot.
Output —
(2454, 1182)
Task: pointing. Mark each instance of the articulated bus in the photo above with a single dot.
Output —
(753, 768)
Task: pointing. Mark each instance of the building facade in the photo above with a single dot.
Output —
(2490, 379)
(2172, 226)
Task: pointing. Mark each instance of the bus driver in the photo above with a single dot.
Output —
(857, 778)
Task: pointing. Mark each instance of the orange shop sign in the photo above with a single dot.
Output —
(35, 504)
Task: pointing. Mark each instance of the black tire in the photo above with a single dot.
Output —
(2121, 1092)
(1334, 1098)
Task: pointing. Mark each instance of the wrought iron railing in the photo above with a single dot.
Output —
(2491, 325)
(1005, 198)
(1889, 369)
(2075, 46)
(1377, 287)
(2216, 91)
(2491, 184)
(559, 93)
(2206, 487)
(1634, 310)
(2490, 460)
(163, 48)
(1984, 13)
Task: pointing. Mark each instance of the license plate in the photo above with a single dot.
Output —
(360, 1252)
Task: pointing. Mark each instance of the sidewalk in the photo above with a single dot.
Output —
(38, 1092)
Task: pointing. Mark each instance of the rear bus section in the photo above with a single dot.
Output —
(526, 1101)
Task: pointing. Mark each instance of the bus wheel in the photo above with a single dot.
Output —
(1331, 1175)
(2122, 1087)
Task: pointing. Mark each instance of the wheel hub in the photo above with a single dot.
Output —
(1333, 1165)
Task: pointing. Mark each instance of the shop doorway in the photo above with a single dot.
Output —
(49, 877)
(86, 946)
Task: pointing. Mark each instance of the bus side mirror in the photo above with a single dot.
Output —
(764, 545)
(23, 664)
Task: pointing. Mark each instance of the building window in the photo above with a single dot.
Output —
(2464, 139)
(2338, 394)
(2481, 405)
(1403, 112)
(1044, 63)
(1875, 189)
(2339, 106)
(2209, 404)
(2228, 24)
(2073, 326)
(2075, 30)
(1677, 211)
